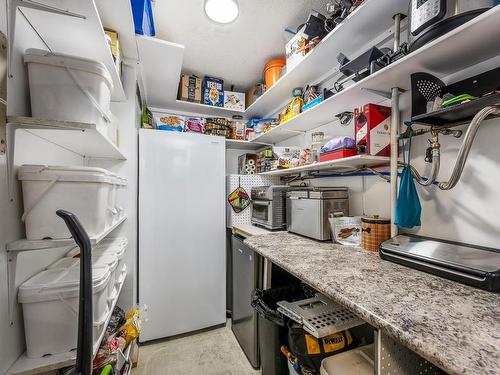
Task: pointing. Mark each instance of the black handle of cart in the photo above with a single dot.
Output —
(84, 354)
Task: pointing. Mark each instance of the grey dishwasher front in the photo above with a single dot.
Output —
(245, 280)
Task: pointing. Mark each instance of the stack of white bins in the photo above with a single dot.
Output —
(50, 298)
(89, 193)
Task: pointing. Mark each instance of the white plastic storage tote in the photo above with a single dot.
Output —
(98, 260)
(69, 88)
(50, 309)
(116, 246)
(81, 190)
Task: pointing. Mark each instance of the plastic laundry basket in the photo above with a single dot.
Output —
(46, 189)
(69, 88)
(50, 309)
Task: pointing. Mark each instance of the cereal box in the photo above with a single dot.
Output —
(213, 91)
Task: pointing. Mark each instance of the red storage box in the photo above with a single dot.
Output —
(372, 124)
(337, 154)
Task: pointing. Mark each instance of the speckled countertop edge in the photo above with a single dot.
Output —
(454, 326)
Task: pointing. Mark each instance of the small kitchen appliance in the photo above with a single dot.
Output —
(430, 19)
(308, 210)
(468, 264)
(269, 206)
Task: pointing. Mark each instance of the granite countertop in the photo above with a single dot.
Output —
(454, 326)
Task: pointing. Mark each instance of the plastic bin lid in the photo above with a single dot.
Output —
(40, 56)
(64, 263)
(108, 259)
(57, 283)
(34, 172)
(116, 250)
(115, 246)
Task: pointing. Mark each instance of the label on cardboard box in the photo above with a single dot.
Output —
(190, 88)
(234, 100)
(293, 56)
(372, 124)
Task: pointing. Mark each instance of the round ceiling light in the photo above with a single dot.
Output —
(221, 11)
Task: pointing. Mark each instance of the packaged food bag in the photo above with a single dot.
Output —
(346, 230)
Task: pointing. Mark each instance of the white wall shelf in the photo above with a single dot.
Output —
(201, 109)
(31, 366)
(371, 19)
(81, 138)
(82, 37)
(244, 145)
(117, 15)
(30, 245)
(459, 49)
(161, 64)
(349, 164)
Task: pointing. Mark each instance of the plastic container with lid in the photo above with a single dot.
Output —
(81, 190)
(353, 362)
(99, 259)
(272, 71)
(115, 246)
(69, 88)
(121, 186)
(50, 309)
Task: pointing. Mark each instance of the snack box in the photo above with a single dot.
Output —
(194, 125)
(169, 122)
(234, 100)
(213, 91)
(218, 126)
(190, 88)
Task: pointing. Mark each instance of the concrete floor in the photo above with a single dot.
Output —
(213, 352)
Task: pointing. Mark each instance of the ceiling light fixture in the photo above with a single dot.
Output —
(221, 11)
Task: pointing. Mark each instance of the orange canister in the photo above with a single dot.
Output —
(272, 71)
(375, 231)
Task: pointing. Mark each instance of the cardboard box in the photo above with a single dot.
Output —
(372, 124)
(234, 100)
(213, 91)
(169, 122)
(254, 92)
(190, 88)
(247, 164)
(115, 49)
(292, 50)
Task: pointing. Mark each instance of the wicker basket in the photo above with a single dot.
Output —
(375, 231)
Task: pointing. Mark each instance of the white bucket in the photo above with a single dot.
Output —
(121, 196)
(357, 361)
(69, 88)
(80, 190)
(50, 309)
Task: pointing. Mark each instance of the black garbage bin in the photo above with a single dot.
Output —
(272, 325)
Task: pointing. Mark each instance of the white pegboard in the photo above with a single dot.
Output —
(246, 182)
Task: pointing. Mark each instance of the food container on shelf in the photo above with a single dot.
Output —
(375, 230)
(272, 71)
(69, 88)
(50, 309)
(46, 189)
(357, 361)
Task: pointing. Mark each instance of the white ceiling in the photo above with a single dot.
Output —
(235, 52)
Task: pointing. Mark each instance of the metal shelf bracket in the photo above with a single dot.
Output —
(12, 7)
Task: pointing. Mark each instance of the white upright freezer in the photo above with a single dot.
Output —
(182, 255)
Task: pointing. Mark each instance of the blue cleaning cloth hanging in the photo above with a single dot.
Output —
(408, 208)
